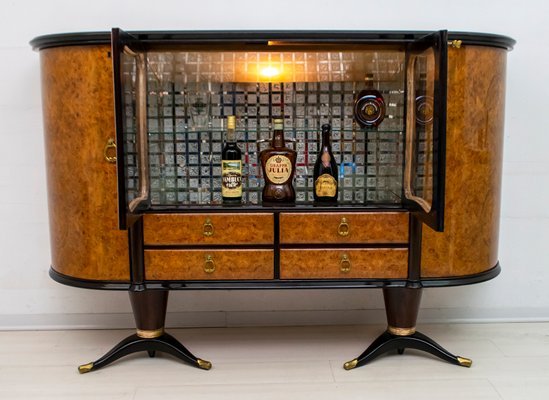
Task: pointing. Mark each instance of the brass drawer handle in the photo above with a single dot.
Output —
(345, 264)
(208, 228)
(209, 264)
(110, 145)
(343, 228)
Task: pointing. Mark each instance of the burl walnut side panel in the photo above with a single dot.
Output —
(77, 98)
(476, 97)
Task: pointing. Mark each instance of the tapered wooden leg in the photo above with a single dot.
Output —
(149, 309)
(402, 307)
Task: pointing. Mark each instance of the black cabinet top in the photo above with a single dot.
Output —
(263, 37)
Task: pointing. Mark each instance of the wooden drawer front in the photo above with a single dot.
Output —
(385, 227)
(343, 263)
(208, 264)
(224, 229)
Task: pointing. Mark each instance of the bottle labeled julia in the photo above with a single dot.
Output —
(278, 165)
(231, 166)
(325, 171)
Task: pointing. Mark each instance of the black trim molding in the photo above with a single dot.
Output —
(463, 280)
(274, 284)
(257, 37)
(88, 283)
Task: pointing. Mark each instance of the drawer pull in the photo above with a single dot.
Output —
(345, 264)
(343, 229)
(208, 228)
(209, 265)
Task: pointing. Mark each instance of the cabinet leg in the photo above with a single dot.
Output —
(149, 309)
(402, 307)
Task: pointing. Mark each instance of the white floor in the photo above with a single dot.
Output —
(510, 361)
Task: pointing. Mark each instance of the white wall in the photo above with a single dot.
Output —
(29, 299)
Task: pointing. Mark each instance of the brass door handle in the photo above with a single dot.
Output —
(343, 228)
(208, 228)
(345, 264)
(209, 264)
(107, 150)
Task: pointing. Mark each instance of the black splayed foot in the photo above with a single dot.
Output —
(389, 342)
(132, 344)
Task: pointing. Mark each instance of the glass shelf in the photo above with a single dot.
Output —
(249, 207)
(288, 131)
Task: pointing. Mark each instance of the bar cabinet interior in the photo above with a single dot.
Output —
(134, 127)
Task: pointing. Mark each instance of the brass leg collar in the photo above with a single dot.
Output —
(465, 362)
(350, 364)
(401, 331)
(203, 364)
(150, 334)
(85, 368)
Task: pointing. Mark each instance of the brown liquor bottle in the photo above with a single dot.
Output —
(278, 164)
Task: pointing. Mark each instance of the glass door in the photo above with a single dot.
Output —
(424, 170)
(130, 79)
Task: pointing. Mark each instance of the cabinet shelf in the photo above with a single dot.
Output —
(287, 131)
(249, 207)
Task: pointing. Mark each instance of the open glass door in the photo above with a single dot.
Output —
(424, 172)
(130, 80)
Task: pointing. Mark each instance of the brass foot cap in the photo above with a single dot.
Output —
(465, 362)
(150, 334)
(85, 368)
(203, 364)
(393, 330)
(350, 364)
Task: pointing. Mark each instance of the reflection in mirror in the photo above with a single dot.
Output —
(190, 93)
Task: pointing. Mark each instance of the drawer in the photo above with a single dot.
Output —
(225, 229)
(208, 264)
(374, 227)
(344, 263)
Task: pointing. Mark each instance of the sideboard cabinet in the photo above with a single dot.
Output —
(134, 127)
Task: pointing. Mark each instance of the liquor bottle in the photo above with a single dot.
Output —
(369, 108)
(278, 165)
(325, 170)
(231, 166)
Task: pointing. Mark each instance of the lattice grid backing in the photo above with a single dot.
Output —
(189, 95)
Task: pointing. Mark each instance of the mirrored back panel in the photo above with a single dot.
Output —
(190, 93)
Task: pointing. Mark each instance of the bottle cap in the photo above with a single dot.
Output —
(231, 122)
(326, 128)
(278, 124)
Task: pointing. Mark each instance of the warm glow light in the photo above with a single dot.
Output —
(270, 72)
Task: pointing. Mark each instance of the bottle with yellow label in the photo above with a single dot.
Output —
(325, 171)
(231, 166)
(278, 165)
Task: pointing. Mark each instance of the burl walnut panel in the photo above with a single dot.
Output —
(476, 97)
(221, 264)
(77, 98)
(343, 263)
(370, 227)
(207, 229)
